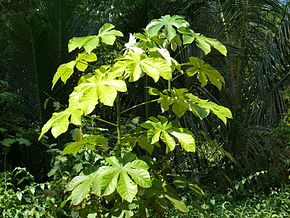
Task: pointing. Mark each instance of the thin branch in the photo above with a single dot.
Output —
(137, 105)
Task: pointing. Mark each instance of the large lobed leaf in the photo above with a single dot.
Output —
(163, 130)
(168, 23)
(203, 42)
(101, 86)
(134, 65)
(107, 179)
(106, 33)
(180, 100)
(64, 71)
(204, 72)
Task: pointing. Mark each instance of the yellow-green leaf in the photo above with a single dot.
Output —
(63, 72)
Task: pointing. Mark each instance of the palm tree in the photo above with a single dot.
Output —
(37, 45)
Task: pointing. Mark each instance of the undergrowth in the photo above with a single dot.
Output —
(276, 203)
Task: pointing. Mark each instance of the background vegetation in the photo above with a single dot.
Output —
(242, 167)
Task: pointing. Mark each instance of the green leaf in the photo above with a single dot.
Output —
(138, 172)
(63, 72)
(92, 215)
(110, 178)
(113, 161)
(153, 135)
(169, 141)
(187, 141)
(91, 43)
(165, 101)
(139, 164)
(203, 42)
(81, 66)
(89, 141)
(134, 64)
(203, 45)
(108, 35)
(77, 42)
(77, 134)
(200, 112)
(127, 189)
(153, 91)
(91, 57)
(101, 86)
(204, 106)
(23, 141)
(58, 123)
(168, 23)
(76, 116)
(180, 205)
(217, 45)
(83, 59)
(143, 143)
(204, 72)
(179, 108)
(81, 191)
(75, 182)
(8, 142)
(19, 195)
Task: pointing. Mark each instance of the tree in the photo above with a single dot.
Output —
(122, 178)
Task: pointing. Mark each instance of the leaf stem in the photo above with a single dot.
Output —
(137, 105)
(132, 134)
(169, 85)
(105, 121)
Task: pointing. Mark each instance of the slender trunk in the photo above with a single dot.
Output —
(118, 108)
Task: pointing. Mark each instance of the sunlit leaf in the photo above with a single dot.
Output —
(108, 34)
(63, 72)
(169, 23)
